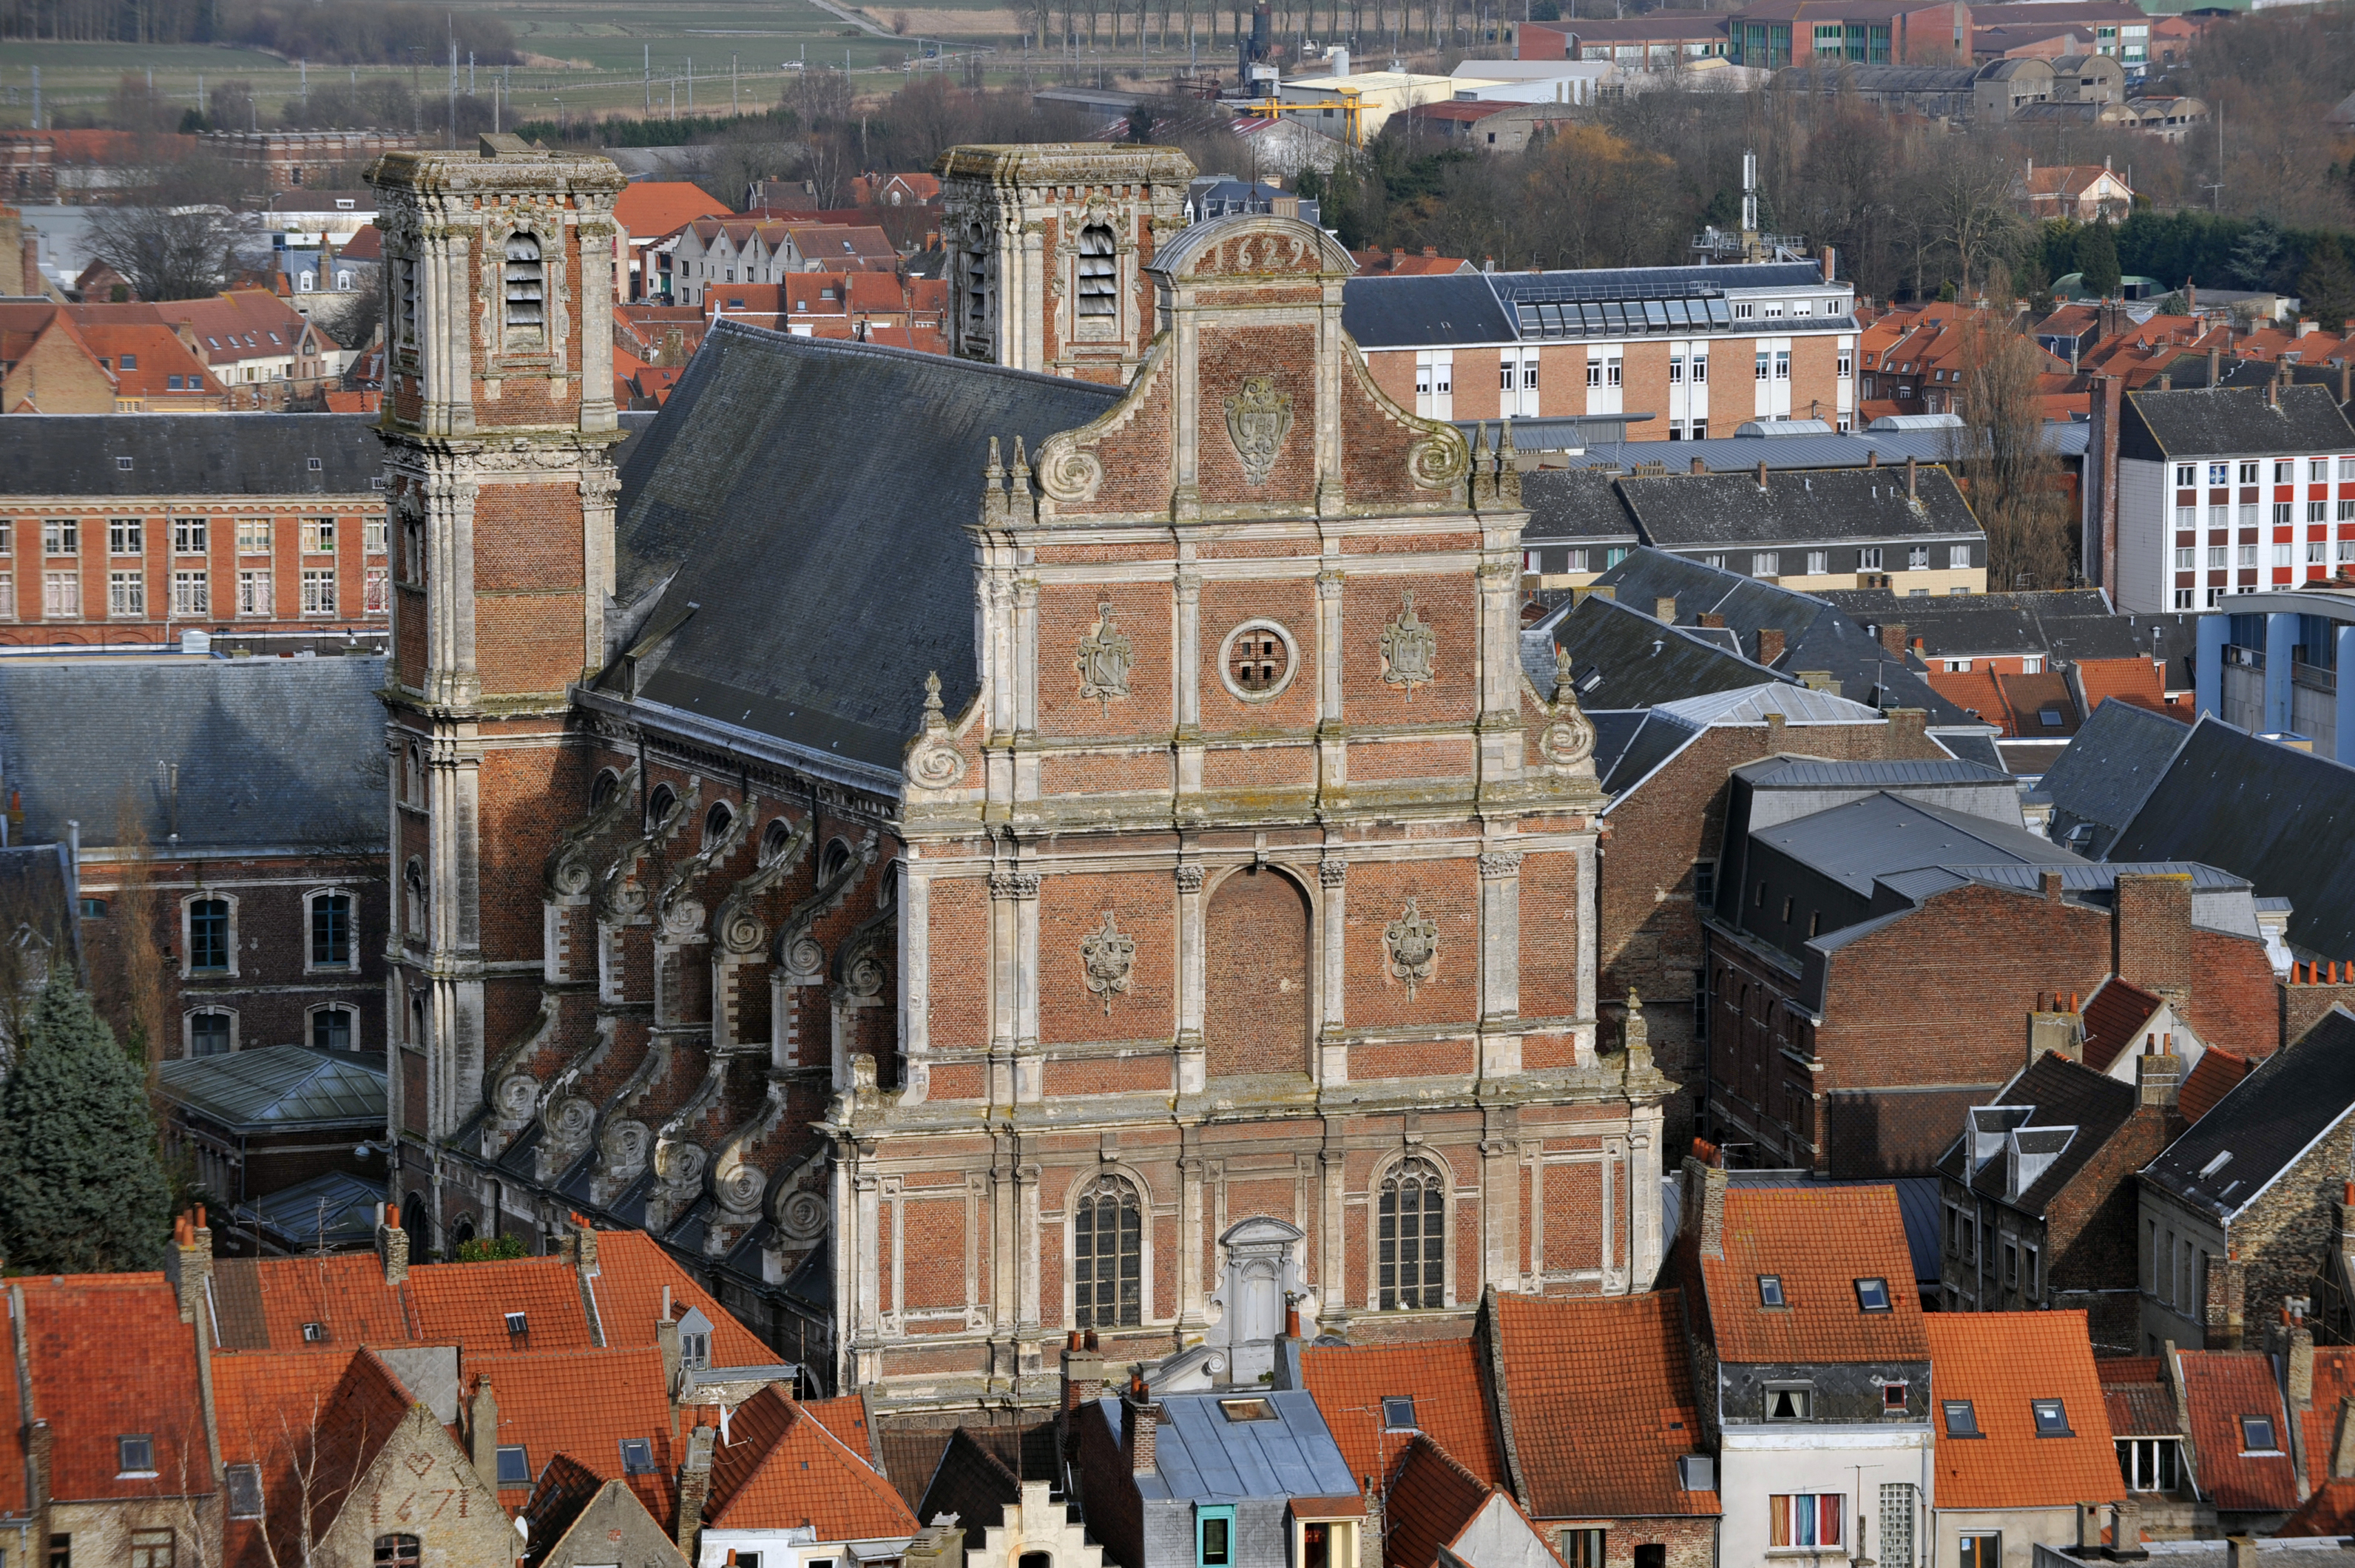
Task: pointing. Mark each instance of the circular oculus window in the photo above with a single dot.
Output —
(1258, 660)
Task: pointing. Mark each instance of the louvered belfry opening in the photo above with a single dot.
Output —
(1099, 272)
(526, 282)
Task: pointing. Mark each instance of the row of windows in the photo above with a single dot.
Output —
(1769, 562)
(192, 595)
(208, 933)
(2221, 514)
(2317, 552)
(2317, 471)
(193, 536)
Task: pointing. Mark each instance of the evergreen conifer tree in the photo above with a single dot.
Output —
(2097, 260)
(83, 1189)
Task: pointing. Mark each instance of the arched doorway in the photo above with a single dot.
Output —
(1256, 1007)
(412, 1220)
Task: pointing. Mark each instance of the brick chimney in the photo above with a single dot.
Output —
(1913, 479)
(1664, 609)
(2126, 1541)
(694, 1487)
(190, 1261)
(1770, 645)
(2221, 1312)
(1140, 1417)
(1893, 637)
(1083, 1383)
(1701, 467)
(392, 1246)
(666, 1342)
(939, 1544)
(580, 1249)
(2150, 932)
(2297, 1368)
(483, 1432)
(2051, 1029)
(1704, 1206)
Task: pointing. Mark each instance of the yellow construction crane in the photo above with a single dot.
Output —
(1350, 103)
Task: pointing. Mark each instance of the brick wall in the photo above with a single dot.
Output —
(2285, 1234)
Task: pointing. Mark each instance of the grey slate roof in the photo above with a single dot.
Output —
(1685, 511)
(2263, 1122)
(2283, 819)
(1574, 505)
(1200, 1456)
(1984, 624)
(1884, 834)
(1621, 657)
(294, 1215)
(270, 752)
(2064, 1094)
(280, 1088)
(190, 455)
(2232, 422)
(2109, 769)
(1424, 311)
(1816, 636)
(811, 497)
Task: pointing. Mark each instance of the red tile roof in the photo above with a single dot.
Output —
(1444, 1379)
(468, 1303)
(2222, 1387)
(783, 1468)
(650, 209)
(1818, 1241)
(2129, 680)
(2215, 1075)
(2136, 1397)
(2002, 1362)
(846, 1417)
(1973, 691)
(633, 1272)
(1429, 1507)
(366, 244)
(2330, 1511)
(111, 1357)
(292, 1412)
(584, 1404)
(2114, 1018)
(2334, 1379)
(1601, 1396)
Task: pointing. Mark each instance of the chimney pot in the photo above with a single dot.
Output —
(1911, 470)
(1664, 609)
(1698, 467)
(1762, 474)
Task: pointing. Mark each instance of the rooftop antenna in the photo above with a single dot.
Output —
(1750, 203)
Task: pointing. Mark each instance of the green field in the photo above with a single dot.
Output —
(584, 57)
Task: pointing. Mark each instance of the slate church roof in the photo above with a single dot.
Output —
(808, 499)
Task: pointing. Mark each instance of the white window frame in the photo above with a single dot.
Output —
(314, 607)
(1958, 557)
(57, 589)
(187, 951)
(188, 1028)
(126, 536)
(248, 576)
(311, 1023)
(196, 606)
(127, 595)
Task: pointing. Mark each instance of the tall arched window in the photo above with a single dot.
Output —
(1107, 1255)
(601, 793)
(976, 278)
(715, 823)
(834, 862)
(659, 805)
(774, 840)
(1412, 1245)
(1099, 272)
(527, 284)
(412, 884)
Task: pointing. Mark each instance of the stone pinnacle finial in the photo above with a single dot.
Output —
(994, 474)
(1021, 468)
(932, 692)
(1561, 686)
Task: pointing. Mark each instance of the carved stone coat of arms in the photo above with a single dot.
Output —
(1258, 419)
(1105, 659)
(1410, 648)
(1106, 958)
(1412, 944)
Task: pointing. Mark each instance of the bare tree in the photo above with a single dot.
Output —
(167, 252)
(2013, 482)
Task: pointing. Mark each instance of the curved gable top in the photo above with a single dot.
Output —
(1209, 250)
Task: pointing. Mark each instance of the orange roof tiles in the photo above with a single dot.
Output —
(263, 1304)
(783, 1468)
(649, 208)
(2330, 1511)
(1973, 691)
(2003, 1362)
(1818, 1241)
(2136, 1397)
(2131, 680)
(2210, 1081)
(1428, 1507)
(2114, 1018)
(111, 1357)
(2334, 1379)
(632, 1270)
(585, 1404)
(1444, 1378)
(846, 1417)
(2222, 1388)
(1601, 1403)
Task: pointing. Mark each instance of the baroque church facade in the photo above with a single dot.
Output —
(965, 849)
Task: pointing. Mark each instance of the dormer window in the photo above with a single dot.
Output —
(1793, 1402)
(315, 1333)
(516, 1323)
(695, 1338)
(1961, 1421)
(1770, 1290)
(2052, 1418)
(1872, 1295)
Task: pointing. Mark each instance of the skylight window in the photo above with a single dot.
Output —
(135, 1454)
(516, 1323)
(2049, 716)
(1770, 1290)
(1961, 1421)
(245, 1491)
(1398, 1413)
(2257, 1435)
(2052, 1418)
(514, 1466)
(638, 1455)
(315, 1333)
(1872, 1295)
(2219, 1163)
(1246, 1410)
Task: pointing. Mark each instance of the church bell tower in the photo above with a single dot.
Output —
(499, 428)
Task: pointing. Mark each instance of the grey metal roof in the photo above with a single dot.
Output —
(336, 1210)
(2283, 819)
(270, 752)
(1655, 739)
(1878, 836)
(2109, 769)
(1970, 748)
(1726, 453)
(1811, 772)
(190, 454)
(279, 1088)
(2232, 422)
(2263, 1122)
(1686, 511)
(1200, 1456)
(824, 546)
(1443, 310)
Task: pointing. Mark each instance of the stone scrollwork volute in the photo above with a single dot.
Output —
(621, 1147)
(1439, 459)
(1065, 472)
(516, 1094)
(739, 927)
(571, 872)
(680, 1164)
(801, 1216)
(569, 1119)
(738, 1187)
(934, 760)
